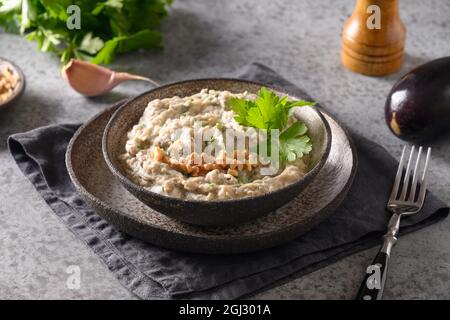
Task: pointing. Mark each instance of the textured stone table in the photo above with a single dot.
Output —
(300, 39)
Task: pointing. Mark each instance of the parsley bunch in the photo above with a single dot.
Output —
(269, 111)
(108, 27)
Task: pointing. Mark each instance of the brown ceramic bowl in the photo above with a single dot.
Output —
(18, 90)
(210, 213)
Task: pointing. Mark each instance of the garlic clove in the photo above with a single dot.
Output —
(93, 80)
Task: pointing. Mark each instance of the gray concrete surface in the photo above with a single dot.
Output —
(300, 39)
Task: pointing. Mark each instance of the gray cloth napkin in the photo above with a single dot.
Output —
(152, 272)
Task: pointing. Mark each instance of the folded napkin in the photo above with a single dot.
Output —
(153, 272)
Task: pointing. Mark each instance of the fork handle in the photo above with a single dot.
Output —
(373, 284)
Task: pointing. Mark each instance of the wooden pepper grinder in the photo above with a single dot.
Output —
(373, 39)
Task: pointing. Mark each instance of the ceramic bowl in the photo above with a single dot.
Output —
(210, 213)
(18, 90)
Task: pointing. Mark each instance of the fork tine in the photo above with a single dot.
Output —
(412, 193)
(424, 182)
(398, 176)
(407, 175)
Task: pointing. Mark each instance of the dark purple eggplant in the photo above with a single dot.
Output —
(418, 106)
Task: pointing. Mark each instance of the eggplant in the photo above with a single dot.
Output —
(417, 108)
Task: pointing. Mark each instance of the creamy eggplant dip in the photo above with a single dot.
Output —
(168, 126)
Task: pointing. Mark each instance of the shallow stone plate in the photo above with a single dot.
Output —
(114, 203)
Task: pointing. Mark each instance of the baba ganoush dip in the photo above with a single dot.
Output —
(152, 141)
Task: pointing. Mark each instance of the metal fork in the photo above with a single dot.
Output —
(406, 203)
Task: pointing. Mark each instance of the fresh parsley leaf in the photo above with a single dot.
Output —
(295, 130)
(268, 107)
(269, 111)
(294, 148)
(256, 119)
(299, 103)
(241, 107)
(144, 39)
(294, 143)
(54, 8)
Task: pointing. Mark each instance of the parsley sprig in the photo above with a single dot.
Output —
(269, 111)
(107, 27)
